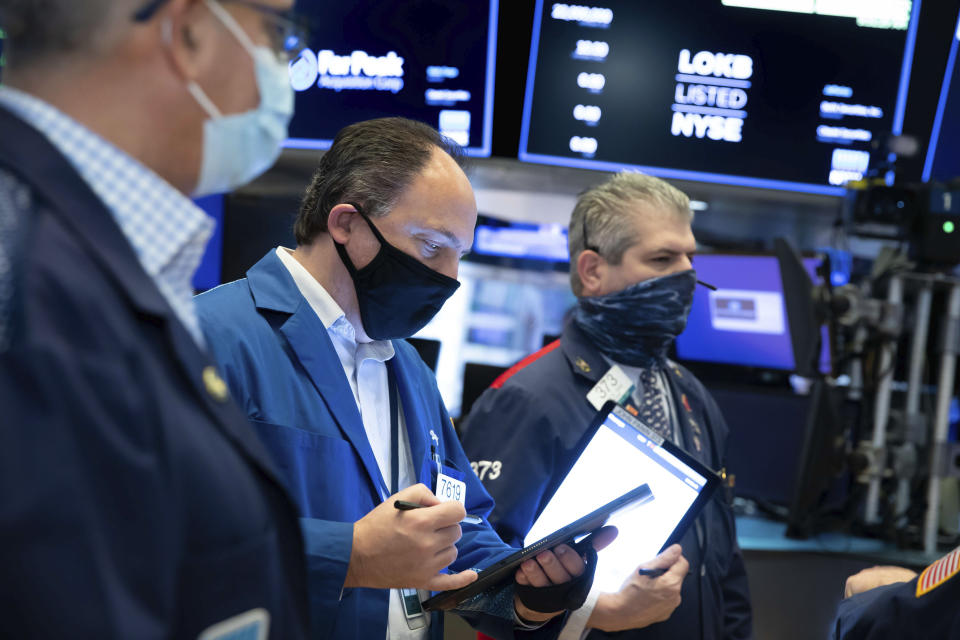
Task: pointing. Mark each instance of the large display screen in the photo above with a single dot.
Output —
(744, 322)
(429, 60)
(765, 93)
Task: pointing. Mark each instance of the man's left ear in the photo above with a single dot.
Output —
(340, 222)
(185, 28)
(590, 268)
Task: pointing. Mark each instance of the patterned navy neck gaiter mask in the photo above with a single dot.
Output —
(636, 326)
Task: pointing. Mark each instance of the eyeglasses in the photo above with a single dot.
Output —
(288, 31)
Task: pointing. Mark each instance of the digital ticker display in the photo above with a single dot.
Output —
(428, 60)
(762, 93)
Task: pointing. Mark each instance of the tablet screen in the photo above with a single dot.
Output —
(620, 455)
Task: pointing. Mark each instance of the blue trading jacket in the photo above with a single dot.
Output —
(282, 367)
(522, 434)
(135, 498)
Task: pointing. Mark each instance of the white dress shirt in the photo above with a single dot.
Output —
(364, 365)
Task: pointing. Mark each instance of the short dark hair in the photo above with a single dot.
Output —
(370, 164)
(38, 29)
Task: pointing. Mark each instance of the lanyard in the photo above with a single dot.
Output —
(409, 598)
(394, 431)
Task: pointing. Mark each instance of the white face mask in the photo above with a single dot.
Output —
(238, 148)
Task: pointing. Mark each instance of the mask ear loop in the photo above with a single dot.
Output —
(166, 32)
(232, 26)
(373, 228)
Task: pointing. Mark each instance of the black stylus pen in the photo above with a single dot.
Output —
(651, 573)
(403, 505)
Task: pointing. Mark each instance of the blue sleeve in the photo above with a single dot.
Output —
(327, 546)
(862, 616)
(897, 611)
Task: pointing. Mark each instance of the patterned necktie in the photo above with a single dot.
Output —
(651, 404)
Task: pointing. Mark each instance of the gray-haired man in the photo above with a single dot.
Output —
(135, 499)
(631, 252)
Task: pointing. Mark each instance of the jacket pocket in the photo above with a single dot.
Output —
(324, 475)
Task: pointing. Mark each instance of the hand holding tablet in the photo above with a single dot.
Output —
(506, 568)
(649, 595)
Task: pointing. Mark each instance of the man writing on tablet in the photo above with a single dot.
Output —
(311, 344)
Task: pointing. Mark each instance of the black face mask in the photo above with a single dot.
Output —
(397, 294)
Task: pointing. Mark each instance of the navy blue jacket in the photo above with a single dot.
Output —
(135, 498)
(283, 369)
(522, 434)
(925, 608)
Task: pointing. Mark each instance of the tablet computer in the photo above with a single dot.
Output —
(618, 452)
(504, 569)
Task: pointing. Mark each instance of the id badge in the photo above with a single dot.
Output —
(614, 385)
(450, 486)
(413, 609)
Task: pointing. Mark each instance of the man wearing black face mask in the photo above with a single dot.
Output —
(310, 344)
(631, 251)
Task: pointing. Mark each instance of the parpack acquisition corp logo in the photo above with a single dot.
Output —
(359, 71)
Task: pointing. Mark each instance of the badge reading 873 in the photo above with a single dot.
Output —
(487, 469)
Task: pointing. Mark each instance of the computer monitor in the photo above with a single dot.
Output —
(429, 351)
(761, 93)
(477, 378)
(208, 273)
(744, 322)
(429, 60)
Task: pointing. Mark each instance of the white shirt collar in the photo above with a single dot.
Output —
(329, 312)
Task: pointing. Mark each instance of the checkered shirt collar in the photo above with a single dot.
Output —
(158, 220)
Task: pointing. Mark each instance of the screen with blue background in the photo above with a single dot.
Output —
(207, 275)
(428, 60)
(745, 321)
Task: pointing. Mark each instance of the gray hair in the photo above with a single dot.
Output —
(603, 212)
(38, 30)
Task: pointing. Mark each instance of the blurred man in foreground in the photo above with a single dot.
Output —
(135, 499)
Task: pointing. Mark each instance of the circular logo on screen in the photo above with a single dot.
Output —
(304, 70)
